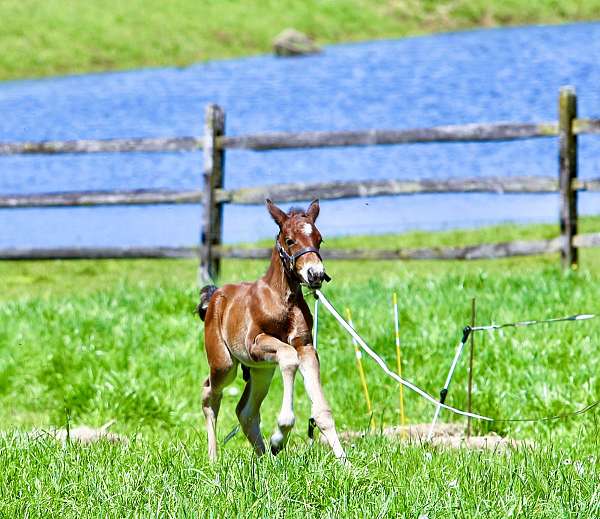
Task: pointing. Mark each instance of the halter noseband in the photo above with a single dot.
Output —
(289, 260)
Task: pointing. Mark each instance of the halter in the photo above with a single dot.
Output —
(289, 260)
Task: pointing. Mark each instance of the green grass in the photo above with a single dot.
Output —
(117, 340)
(49, 37)
(173, 479)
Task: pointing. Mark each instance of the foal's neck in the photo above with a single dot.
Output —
(282, 283)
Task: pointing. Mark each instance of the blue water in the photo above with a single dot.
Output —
(477, 76)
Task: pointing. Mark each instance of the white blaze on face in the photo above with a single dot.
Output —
(307, 229)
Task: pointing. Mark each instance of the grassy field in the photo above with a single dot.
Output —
(103, 340)
(49, 37)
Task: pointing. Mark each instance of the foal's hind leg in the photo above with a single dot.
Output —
(223, 369)
(248, 408)
(212, 393)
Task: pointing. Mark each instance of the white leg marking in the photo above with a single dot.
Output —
(288, 362)
(321, 412)
(210, 405)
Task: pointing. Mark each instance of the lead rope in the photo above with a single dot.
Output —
(316, 324)
(311, 421)
(384, 366)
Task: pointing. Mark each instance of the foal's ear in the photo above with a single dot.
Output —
(313, 210)
(277, 214)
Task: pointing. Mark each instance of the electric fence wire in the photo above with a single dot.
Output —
(467, 330)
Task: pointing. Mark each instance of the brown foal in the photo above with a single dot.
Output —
(264, 324)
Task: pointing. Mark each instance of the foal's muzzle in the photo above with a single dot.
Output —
(316, 277)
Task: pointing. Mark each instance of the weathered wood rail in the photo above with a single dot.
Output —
(298, 191)
(148, 145)
(213, 196)
(281, 140)
(89, 198)
(470, 252)
(99, 253)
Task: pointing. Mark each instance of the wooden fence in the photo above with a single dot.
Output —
(213, 195)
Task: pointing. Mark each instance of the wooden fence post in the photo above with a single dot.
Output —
(212, 220)
(567, 142)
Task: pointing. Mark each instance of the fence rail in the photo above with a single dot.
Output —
(16, 253)
(454, 133)
(294, 192)
(213, 196)
(297, 191)
(92, 198)
(281, 140)
(470, 252)
(497, 131)
(160, 144)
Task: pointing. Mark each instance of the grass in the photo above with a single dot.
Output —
(49, 37)
(174, 480)
(117, 340)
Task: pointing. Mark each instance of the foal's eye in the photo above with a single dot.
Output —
(289, 242)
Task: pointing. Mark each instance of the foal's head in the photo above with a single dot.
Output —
(298, 243)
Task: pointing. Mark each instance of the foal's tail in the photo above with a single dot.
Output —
(205, 294)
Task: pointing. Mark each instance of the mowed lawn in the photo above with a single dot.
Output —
(50, 37)
(93, 341)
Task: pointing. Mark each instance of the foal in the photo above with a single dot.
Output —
(264, 324)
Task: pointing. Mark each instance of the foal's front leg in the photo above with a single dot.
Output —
(288, 364)
(271, 349)
(321, 412)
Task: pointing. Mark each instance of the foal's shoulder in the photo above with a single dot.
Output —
(261, 289)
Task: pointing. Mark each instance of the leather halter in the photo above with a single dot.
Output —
(289, 260)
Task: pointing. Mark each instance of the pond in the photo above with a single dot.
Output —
(477, 76)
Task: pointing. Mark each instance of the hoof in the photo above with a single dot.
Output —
(276, 449)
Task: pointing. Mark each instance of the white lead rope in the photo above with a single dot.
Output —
(316, 324)
(384, 366)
